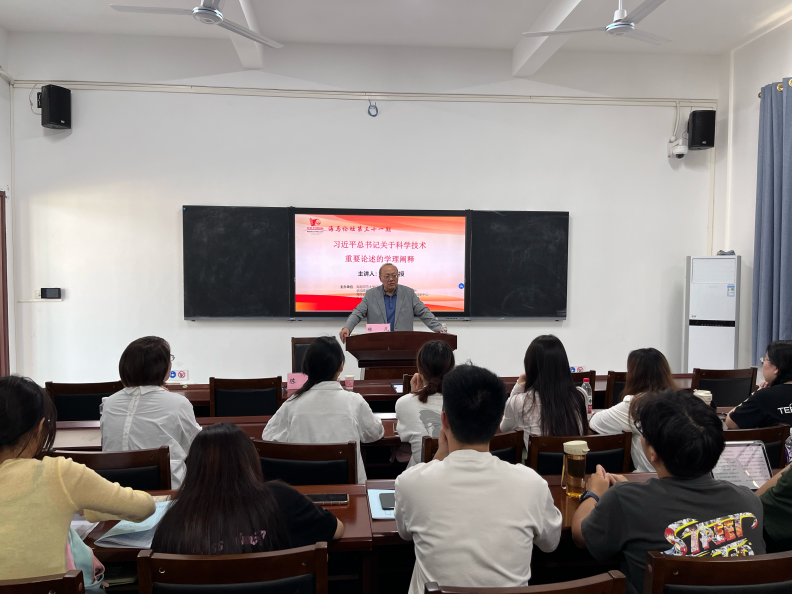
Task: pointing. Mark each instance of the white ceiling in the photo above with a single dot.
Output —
(696, 26)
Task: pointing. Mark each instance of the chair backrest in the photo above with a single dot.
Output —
(142, 470)
(297, 571)
(244, 397)
(615, 387)
(308, 463)
(612, 582)
(506, 446)
(759, 574)
(80, 402)
(773, 438)
(546, 454)
(406, 379)
(729, 387)
(70, 582)
(298, 348)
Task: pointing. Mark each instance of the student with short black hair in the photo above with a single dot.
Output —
(144, 414)
(682, 512)
(224, 506)
(322, 411)
(772, 403)
(474, 518)
(38, 498)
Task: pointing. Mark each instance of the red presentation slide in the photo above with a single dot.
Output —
(337, 258)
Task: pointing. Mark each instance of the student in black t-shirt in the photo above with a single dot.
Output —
(684, 511)
(771, 404)
(225, 507)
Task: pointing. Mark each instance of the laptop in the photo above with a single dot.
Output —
(744, 463)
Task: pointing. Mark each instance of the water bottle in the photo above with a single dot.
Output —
(589, 397)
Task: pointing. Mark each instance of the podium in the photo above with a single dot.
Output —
(389, 355)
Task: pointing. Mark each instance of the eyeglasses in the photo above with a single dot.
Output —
(390, 276)
(173, 358)
(763, 359)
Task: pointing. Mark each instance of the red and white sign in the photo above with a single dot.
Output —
(372, 328)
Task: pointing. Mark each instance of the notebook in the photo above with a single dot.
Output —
(375, 504)
(744, 463)
(133, 535)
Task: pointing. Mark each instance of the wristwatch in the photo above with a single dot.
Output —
(589, 495)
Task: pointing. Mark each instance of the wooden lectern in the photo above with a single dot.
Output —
(389, 355)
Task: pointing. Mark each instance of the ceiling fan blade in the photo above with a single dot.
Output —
(245, 32)
(152, 9)
(643, 11)
(645, 37)
(564, 32)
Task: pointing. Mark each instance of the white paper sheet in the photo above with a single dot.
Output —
(377, 513)
(134, 535)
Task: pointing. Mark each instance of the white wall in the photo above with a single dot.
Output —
(98, 207)
(765, 60)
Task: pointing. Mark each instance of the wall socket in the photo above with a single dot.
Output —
(38, 294)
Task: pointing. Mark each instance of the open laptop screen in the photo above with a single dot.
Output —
(743, 463)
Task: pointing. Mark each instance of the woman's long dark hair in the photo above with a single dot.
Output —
(434, 361)
(547, 376)
(23, 403)
(223, 507)
(780, 354)
(321, 363)
(647, 371)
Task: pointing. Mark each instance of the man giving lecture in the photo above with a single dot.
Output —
(390, 304)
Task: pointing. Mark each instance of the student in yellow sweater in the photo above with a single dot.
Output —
(39, 497)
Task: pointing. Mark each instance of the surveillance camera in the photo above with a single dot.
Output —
(678, 148)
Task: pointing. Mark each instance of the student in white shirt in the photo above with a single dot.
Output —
(322, 411)
(474, 518)
(144, 414)
(418, 413)
(545, 401)
(647, 371)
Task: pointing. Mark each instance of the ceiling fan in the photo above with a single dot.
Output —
(207, 13)
(623, 25)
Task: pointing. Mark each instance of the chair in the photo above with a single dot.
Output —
(615, 387)
(244, 397)
(142, 470)
(612, 582)
(506, 446)
(729, 387)
(773, 438)
(308, 464)
(80, 402)
(297, 571)
(760, 574)
(298, 348)
(546, 454)
(406, 387)
(70, 582)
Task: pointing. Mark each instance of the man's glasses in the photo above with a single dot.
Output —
(389, 276)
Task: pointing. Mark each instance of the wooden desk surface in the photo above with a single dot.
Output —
(355, 517)
(384, 531)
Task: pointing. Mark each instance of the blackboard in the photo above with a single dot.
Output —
(236, 262)
(518, 266)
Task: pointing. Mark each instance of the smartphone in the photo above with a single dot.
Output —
(388, 500)
(329, 498)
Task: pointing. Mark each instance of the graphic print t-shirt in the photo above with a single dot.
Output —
(765, 408)
(697, 517)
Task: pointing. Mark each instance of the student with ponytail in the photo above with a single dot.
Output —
(322, 411)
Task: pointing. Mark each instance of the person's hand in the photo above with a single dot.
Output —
(764, 385)
(442, 442)
(416, 382)
(521, 380)
(343, 334)
(616, 478)
(598, 482)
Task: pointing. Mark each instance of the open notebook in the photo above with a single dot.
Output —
(134, 535)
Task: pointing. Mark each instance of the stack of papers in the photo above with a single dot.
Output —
(82, 526)
(133, 535)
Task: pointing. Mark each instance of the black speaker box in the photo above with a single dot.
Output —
(701, 129)
(55, 103)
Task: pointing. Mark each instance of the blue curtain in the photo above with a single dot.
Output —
(772, 280)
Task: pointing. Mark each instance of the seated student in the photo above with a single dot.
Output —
(144, 414)
(224, 495)
(776, 498)
(38, 498)
(418, 413)
(322, 411)
(684, 511)
(545, 401)
(647, 371)
(474, 518)
(770, 404)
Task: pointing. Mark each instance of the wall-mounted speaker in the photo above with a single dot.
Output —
(701, 129)
(55, 104)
